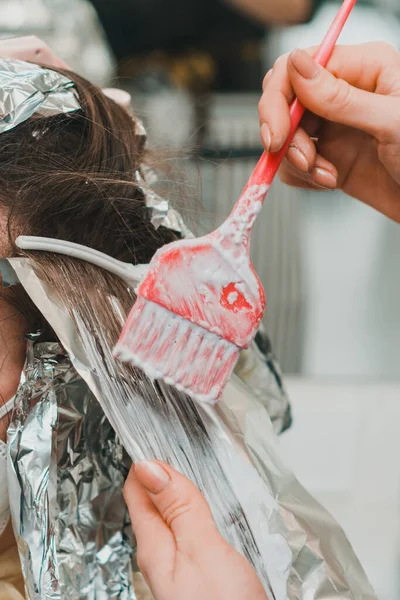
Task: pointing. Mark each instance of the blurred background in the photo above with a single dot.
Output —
(194, 69)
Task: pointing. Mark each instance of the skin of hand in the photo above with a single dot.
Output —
(31, 49)
(349, 138)
(181, 554)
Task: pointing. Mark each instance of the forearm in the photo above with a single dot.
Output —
(275, 12)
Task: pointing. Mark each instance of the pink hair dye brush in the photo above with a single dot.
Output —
(201, 301)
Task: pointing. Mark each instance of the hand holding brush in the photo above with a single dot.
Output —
(353, 112)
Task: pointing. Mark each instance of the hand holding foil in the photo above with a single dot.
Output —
(180, 550)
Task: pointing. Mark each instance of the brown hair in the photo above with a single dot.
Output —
(73, 177)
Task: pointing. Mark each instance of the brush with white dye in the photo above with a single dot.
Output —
(201, 301)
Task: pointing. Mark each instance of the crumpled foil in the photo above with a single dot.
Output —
(161, 213)
(230, 451)
(27, 89)
(259, 370)
(66, 474)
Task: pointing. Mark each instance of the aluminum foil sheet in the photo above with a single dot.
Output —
(161, 214)
(66, 475)
(230, 451)
(258, 368)
(27, 89)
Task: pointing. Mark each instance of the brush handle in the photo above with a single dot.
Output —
(269, 163)
(132, 274)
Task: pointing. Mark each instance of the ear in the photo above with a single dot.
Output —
(119, 96)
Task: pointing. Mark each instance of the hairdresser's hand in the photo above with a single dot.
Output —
(31, 49)
(180, 551)
(354, 112)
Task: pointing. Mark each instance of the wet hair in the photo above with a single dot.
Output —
(73, 177)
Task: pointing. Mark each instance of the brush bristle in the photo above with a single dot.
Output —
(166, 346)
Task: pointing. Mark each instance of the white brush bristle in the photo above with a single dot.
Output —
(166, 346)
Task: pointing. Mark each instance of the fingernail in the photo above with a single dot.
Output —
(299, 158)
(325, 178)
(304, 64)
(152, 476)
(266, 136)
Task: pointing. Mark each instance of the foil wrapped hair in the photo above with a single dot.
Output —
(27, 89)
(67, 466)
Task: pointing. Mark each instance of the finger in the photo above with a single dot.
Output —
(294, 181)
(31, 49)
(322, 176)
(267, 78)
(305, 183)
(273, 108)
(363, 66)
(180, 504)
(156, 544)
(302, 156)
(336, 100)
(302, 152)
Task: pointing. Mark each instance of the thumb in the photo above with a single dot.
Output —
(180, 504)
(336, 100)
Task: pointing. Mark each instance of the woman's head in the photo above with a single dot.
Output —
(74, 177)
